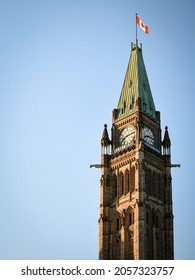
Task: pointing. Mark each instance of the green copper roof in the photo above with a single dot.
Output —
(136, 85)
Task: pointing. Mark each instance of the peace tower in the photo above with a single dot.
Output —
(136, 213)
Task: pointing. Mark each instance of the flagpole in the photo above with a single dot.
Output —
(136, 29)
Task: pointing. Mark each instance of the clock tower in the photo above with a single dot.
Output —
(136, 213)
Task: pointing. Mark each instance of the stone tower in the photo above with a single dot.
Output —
(136, 214)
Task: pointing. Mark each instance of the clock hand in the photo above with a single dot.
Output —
(128, 135)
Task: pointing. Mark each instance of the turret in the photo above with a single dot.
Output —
(105, 142)
(166, 143)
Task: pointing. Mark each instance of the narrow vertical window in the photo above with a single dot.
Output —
(132, 179)
(126, 181)
(121, 183)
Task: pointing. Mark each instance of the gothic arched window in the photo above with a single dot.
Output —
(121, 183)
(114, 188)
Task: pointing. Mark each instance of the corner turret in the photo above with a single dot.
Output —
(166, 143)
(105, 142)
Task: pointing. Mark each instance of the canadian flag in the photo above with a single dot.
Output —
(142, 25)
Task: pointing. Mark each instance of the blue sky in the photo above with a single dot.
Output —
(62, 65)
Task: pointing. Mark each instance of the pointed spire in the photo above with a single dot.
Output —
(166, 143)
(105, 137)
(136, 85)
(105, 141)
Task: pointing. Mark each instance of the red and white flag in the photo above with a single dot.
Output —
(142, 25)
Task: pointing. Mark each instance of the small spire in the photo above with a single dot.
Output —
(166, 142)
(105, 137)
(105, 142)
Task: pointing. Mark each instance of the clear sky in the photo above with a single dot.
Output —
(62, 66)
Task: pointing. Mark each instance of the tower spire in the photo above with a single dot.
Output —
(136, 86)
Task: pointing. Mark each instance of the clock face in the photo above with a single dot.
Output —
(127, 135)
(148, 136)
